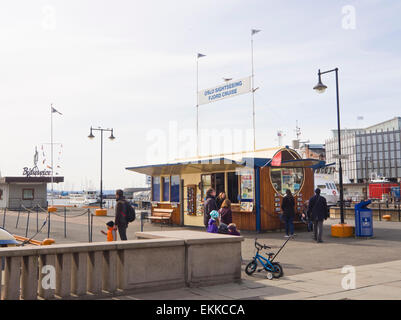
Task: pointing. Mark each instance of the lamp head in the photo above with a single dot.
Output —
(112, 137)
(320, 87)
(91, 136)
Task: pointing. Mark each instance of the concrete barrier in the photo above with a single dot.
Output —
(377, 213)
(210, 258)
(94, 270)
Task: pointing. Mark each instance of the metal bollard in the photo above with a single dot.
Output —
(4, 218)
(65, 222)
(89, 225)
(37, 218)
(48, 224)
(380, 213)
(16, 225)
(27, 224)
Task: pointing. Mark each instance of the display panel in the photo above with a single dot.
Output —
(287, 178)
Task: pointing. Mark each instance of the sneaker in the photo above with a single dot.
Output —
(286, 236)
(319, 241)
(293, 235)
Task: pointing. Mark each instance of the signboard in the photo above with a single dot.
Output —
(276, 161)
(34, 171)
(341, 156)
(227, 90)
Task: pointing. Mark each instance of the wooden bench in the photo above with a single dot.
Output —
(162, 215)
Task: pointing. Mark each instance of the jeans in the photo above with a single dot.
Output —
(289, 225)
(317, 230)
(122, 231)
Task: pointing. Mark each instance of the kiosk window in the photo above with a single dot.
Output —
(206, 184)
(287, 178)
(232, 187)
(27, 194)
(156, 189)
(166, 188)
(215, 181)
(175, 188)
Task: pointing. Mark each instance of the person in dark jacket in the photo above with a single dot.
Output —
(226, 215)
(209, 205)
(121, 222)
(288, 213)
(220, 199)
(318, 212)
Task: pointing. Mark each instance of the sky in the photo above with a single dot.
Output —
(131, 66)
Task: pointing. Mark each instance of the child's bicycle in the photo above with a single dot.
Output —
(274, 269)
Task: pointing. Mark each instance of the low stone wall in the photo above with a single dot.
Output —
(377, 213)
(210, 258)
(93, 270)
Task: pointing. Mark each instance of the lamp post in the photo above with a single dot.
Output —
(91, 136)
(320, 88)
(367, 176)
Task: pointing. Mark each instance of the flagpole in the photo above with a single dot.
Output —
(197, 106)
(51, 147)
(253, 95)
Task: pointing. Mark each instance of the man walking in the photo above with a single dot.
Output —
(121, 222)
(209, 206)
(318, 212)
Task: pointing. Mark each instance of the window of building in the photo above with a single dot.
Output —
(1, 194)
(156, 189)
(232, 187)
(288, 178)
(206, 180)
(175, 188)
(28, 194)
(166, 188)
(215, 181)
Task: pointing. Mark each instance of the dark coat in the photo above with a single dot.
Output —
(120, 219)
(209, 206)
(226, 215)
(317, 209)
(288, 207)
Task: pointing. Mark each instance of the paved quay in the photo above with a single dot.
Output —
(311, 270)
(372, 282)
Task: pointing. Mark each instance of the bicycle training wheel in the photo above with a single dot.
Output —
(278, 270)
(251, 267)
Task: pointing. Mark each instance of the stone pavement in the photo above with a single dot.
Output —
(374, 281)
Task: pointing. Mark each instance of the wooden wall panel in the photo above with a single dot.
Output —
(269, 218)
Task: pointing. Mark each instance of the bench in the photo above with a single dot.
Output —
(162, 215)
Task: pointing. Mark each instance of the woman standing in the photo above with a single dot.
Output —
(288, 213)
(220, 199)
(225, 212)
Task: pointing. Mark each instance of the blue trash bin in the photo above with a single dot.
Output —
(363, 220)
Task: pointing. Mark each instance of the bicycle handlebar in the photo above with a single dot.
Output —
(261, 246)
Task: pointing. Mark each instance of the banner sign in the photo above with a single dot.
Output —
(227, 90)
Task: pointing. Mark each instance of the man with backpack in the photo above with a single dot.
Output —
(125, 214)
(318, 212)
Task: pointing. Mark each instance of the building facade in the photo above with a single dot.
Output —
(372, 152)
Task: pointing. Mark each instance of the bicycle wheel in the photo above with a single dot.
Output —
(278, 272)
(251, 267)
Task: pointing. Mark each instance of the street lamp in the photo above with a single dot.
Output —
(112, 137)
(320, 88)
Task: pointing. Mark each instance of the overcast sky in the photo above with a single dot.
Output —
(130, 65)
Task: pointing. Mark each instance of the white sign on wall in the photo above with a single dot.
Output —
(227, 90)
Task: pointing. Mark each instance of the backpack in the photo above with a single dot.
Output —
(129, 212)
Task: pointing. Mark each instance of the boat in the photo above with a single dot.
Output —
(324, 180)
(86, 198)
